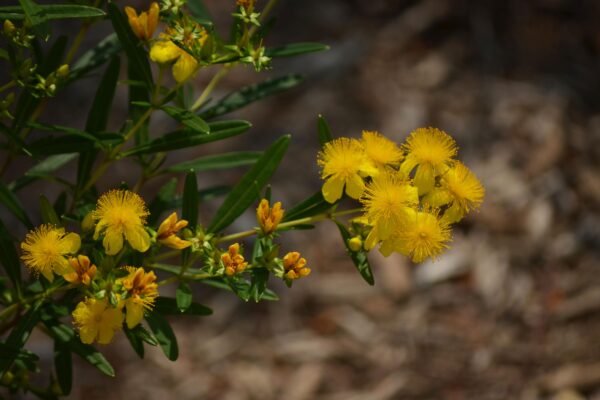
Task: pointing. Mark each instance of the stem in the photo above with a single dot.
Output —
(8, 86)
(79, 38)
(263, 15)
(210, 87)
(289, 224)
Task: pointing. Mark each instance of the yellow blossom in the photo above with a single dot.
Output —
(430, 151)
(387, 200)
(355, 243)
(83, 270)
(233, 261)
(421, 236)
(295, 266)
(344, 163)
(380, 149)
(460, 190)
(97, 320)
(167, 230)
(165, 51)
(121, 214)
(45, 248)
(142, 291)
(145, 24)
(268, 218)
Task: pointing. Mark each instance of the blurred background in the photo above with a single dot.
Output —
(512, 311)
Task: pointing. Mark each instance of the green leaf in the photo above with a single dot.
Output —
(189, 210)
(41, 170)
(324, 131)
(164, 334)
(136, 342)
(185, 138)
(63, 366)
(20, 333)
(12, 203)
(48, 213)
(136, 55)
(66, 335)
(97, 118)
(162, 201)
(187, 118)
(359, 258)
(247, 191)
(313, 205)
(294, 49)
(183, 295)
(259, 283)
(50, 145)
(199, 11)
(219, 283)
(250, 94)
(53, 11)
(9, 258)
(221, 161)
(94, 58)
(36, 18)
(169, 306)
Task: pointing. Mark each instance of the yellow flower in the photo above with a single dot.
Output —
(460, 189)
(380, 149)
(430, 150)
(295, 266)
(45, 248)
(233, 261)
(165, 51)
(142, 291)
(268, 218)
(97, 320)
(387, 200)
(167, 230)
(83, 270)
(422, 235)
(145, 24)
(121, 214)
(344, 163)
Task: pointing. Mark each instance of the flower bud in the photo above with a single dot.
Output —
(355, 243)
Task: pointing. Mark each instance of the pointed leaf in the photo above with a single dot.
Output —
(221, 161)
(250, 94)
(169, 306)
(95, 57)
(36, 18)
(183, 295)
(187, 118)
(324, 131)
(181, 139)
(12, 203)
(295, 49)
(9, 258)
(53, 11)
(48, 213)
(313, 205)
(359, 258)
(164, 334)
(63, 366)
(20, 333)
(247, 191)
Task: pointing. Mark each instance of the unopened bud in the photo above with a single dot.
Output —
(63, 71)
(9, 28)
(355, 243)
(88, 222)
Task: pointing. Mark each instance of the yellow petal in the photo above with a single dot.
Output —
(166, 225)
(48, 274)
(138, 238)
(437, 197)
(70, 243)
(175, 243)
(113, 242)
(135, 313)
(332, 189)
(62, 267)
(371, 240)
(164, 51)
(387, 247)
(184, 68)
(424, 178)
(87, 334)
(355, 186)
(454, 213)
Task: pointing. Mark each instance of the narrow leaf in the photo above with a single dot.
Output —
(36, 18)
(359, 258)
(295, 49)
(221, 161)
(53, 11)
(324, 131)
(164, 334)
(48, 213)
(63, 366)
(188, 118)
(247, 191)
(183, 295)
(313, 205)
(189, 210)
(95, 57)
(250, 94)
(10, 258)
(181, 139)
(169, 306)
(136, 55)
(20, 333)
(12, 203)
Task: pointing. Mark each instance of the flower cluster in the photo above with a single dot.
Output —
(410, 194)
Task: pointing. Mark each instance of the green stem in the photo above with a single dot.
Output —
(210, 87)
(263, 15)
(8, 86)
